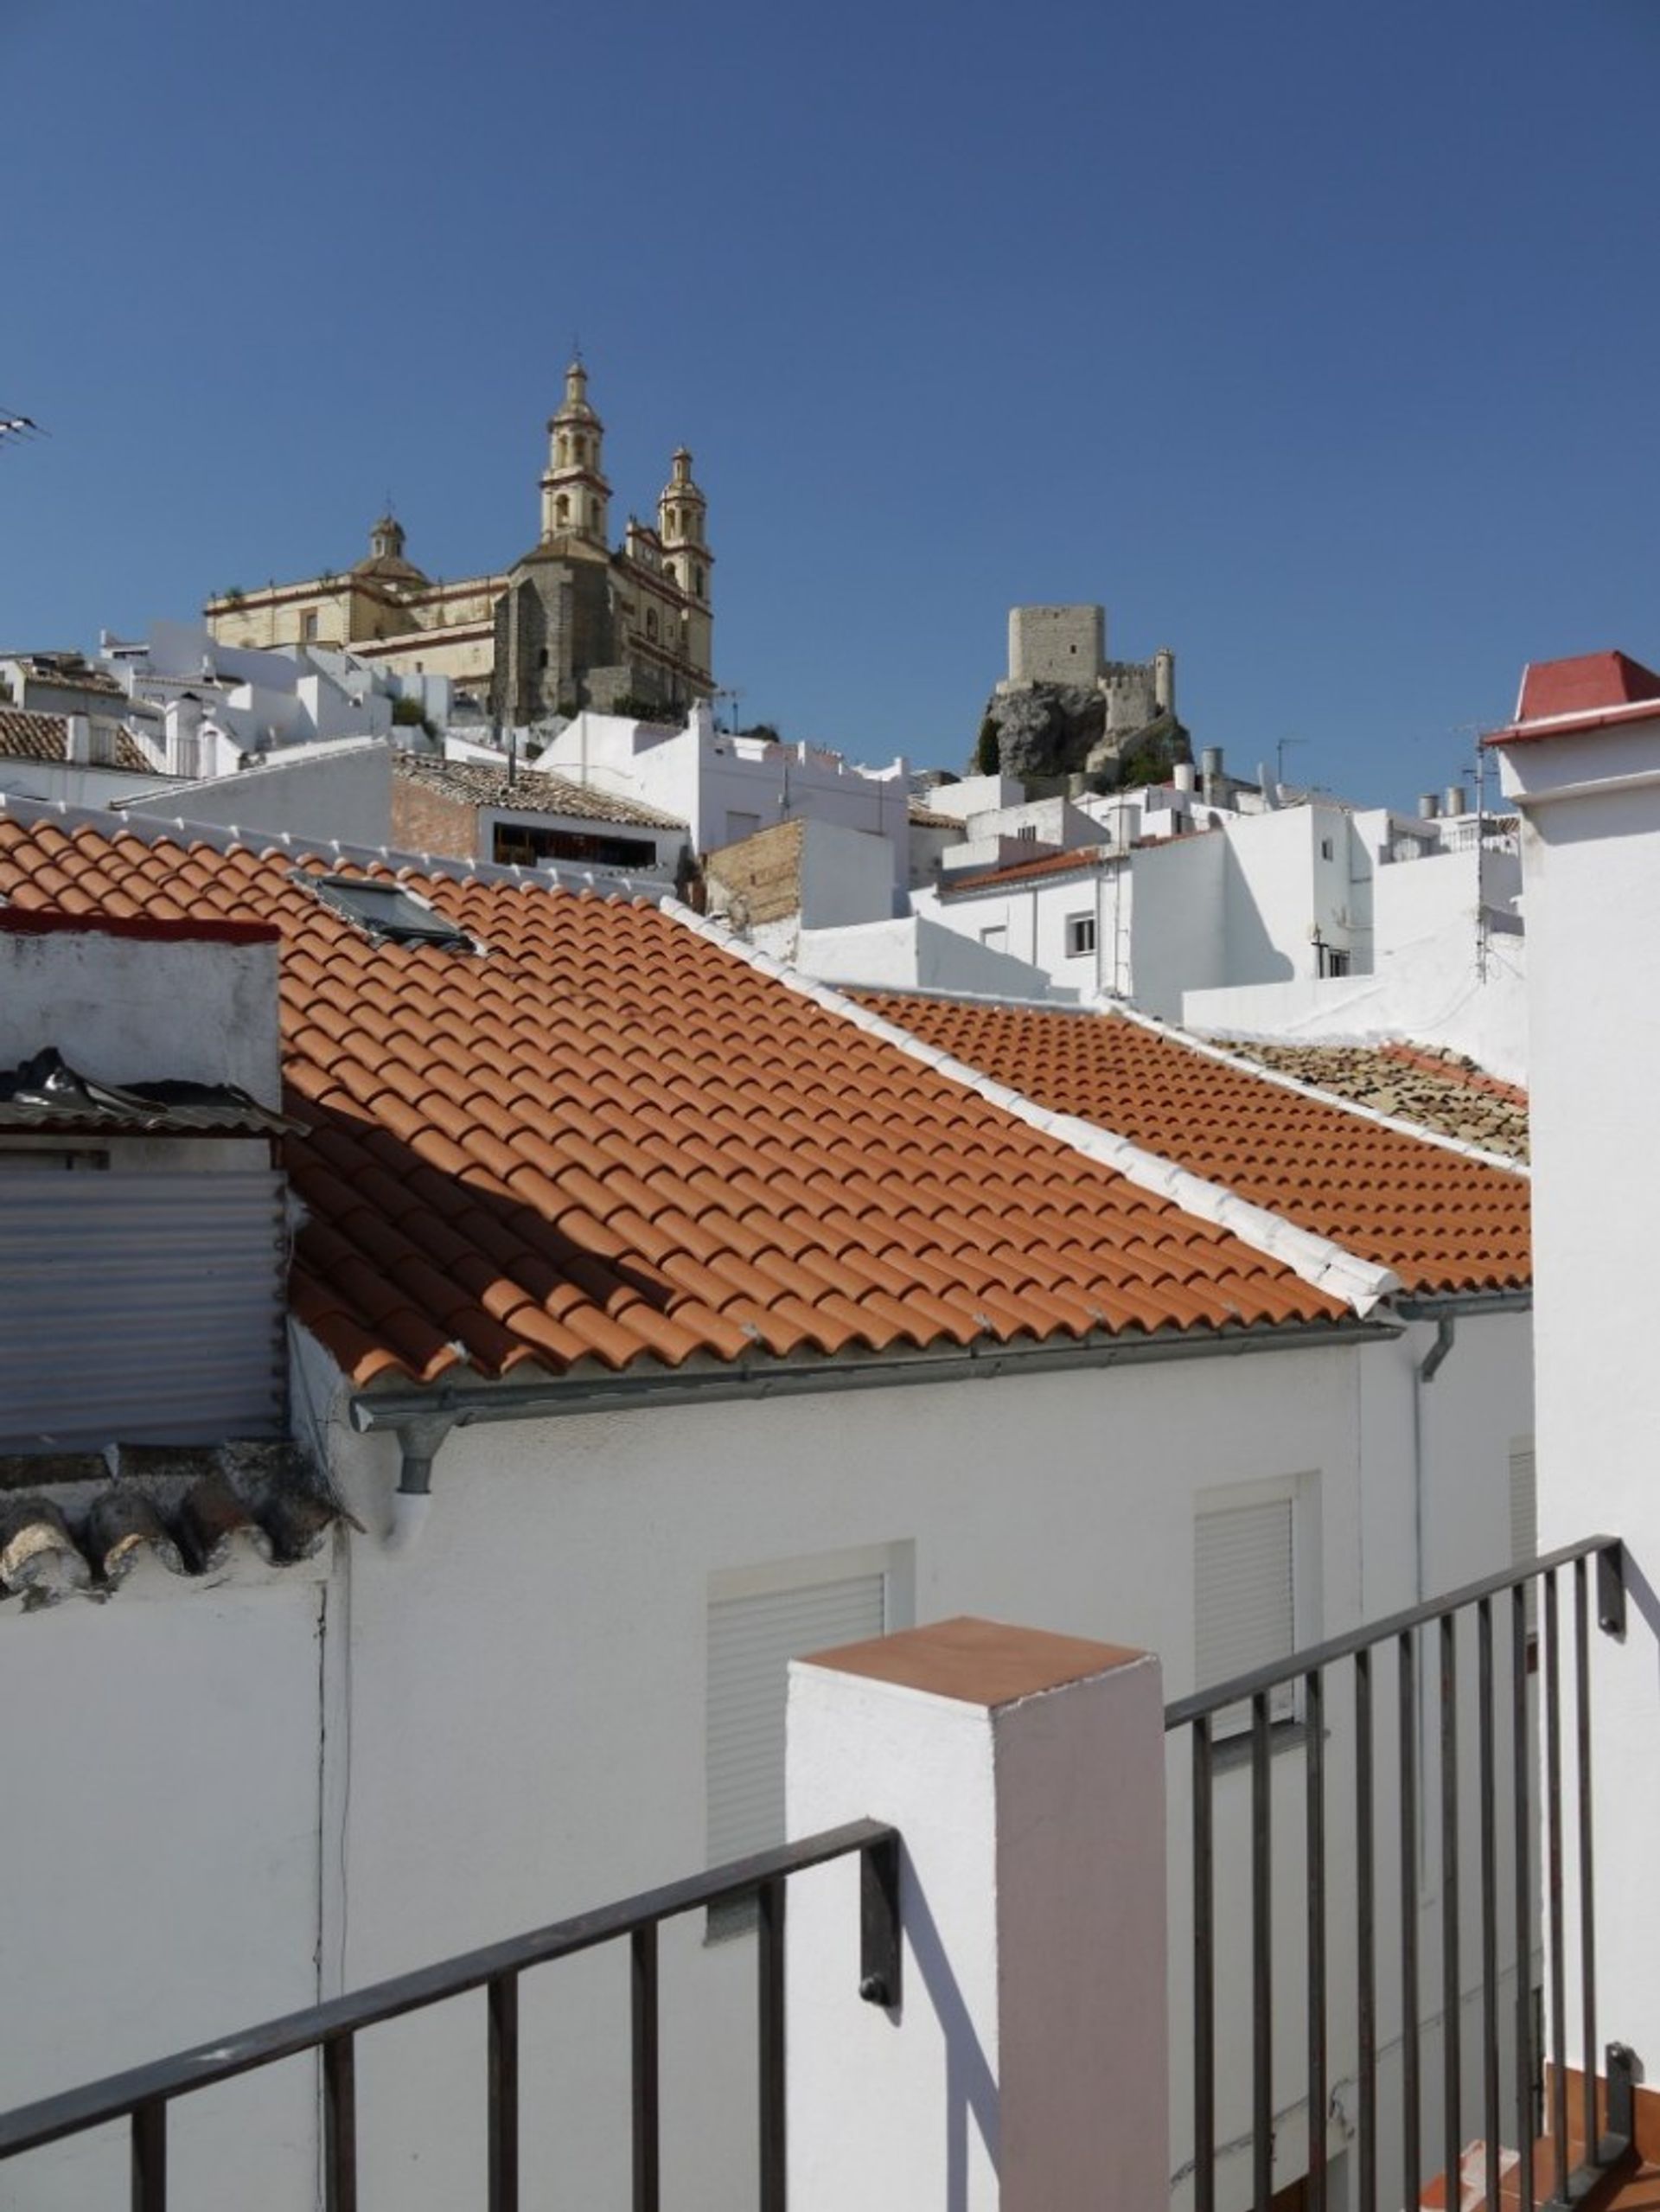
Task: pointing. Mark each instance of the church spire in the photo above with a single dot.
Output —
(682, 517)
(576, 497)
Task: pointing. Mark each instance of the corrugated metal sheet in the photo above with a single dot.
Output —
(144, 1307)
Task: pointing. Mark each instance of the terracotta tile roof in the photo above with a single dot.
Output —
(533, 791)
(80, 1522)
(927, 817)
(1080, 860)
(1444, 1222)
(609, 1140)
(1440, 1090)
(45, 737)
(1589, 692)
(1582, 684)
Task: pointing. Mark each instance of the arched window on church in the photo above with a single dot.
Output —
(697, 575)
(562, 508)
(593, 514)
(651, 621)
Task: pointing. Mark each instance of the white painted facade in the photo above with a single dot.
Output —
(337, 791)
(913, 952)
(207, 707)
(726, 787)
(507, 1724)
(1590, 804)
(140, 1007)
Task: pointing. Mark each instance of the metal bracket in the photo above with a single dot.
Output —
(1620, 2068)
(1610, 1601)
(880, 1949)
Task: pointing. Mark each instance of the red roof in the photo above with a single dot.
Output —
(1588, 691)
(1445, 1222)
(607, 1139)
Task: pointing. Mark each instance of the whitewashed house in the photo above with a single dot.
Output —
(656, 1316)
(1581, 764)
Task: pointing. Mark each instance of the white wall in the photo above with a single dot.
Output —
(515, 1715)
(142, 1008)
(1591, 854)
(913, 952)
(704, 776)
(163, 1859)
(847, 876)
(337, 792)
(1429, 988)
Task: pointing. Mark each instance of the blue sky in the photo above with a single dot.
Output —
(1317, 342)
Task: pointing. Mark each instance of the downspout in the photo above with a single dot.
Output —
(419, 1444)
(1425, 1371)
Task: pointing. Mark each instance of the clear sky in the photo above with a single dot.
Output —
(1318, 341)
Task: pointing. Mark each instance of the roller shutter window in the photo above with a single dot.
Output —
(752, 1640)
(1244, 1600)
(1524, 1519)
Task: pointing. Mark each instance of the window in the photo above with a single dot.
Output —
(525, 844)
(1524, 1519)
(1080, 934)
(1331, 960)
(1325, 848)
(1027, 833)
(1250, 1557)
(562, 508)
(309, 626)
(385, 910)
(760, 1618)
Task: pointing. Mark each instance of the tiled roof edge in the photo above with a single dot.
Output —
(1245, 1066)
(225, 837)
(1317, 1260)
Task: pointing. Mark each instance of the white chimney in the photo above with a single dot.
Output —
(78, 739)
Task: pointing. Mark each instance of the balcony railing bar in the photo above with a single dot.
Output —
(1607, 1551)
(642, 1971)
(1535, 2110)
(1488, 1773)
(1365, 1929)
(1521, 1750)
(1555, 1891)
(143, 2094)
(1451, 2081)
(1314, 1846)
(1407, 1677)
(1262, 1953)
(1205, 1974)
(1588, 1892)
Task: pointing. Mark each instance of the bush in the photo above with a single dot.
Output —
(988, 753)
(407, 711)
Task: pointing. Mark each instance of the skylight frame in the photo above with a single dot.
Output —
(388, 912)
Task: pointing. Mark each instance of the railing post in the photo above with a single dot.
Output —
(1027, 2068)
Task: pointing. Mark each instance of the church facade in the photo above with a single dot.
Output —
(575, 623)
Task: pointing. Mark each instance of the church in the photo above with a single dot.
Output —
(574, 622)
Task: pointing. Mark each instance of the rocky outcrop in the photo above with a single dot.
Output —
(1048, 733)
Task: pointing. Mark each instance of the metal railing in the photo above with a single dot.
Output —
(144, 2096)
(1509, 2127)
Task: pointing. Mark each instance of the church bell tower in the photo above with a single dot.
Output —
(575, 498)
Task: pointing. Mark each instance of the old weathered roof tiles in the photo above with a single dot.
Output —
(605, 1140)
(529, 791)
(45, 737)
(1446, 1223)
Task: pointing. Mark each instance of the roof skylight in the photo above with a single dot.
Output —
(387, 911)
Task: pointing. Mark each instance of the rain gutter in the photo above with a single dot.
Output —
(422, 1418)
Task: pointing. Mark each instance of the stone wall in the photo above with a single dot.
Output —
(423, 820)
(761, 873)
(1058, 645)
